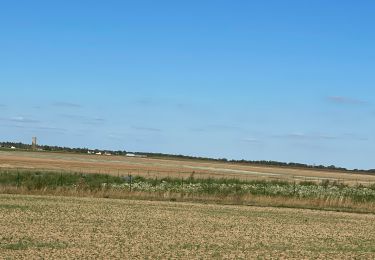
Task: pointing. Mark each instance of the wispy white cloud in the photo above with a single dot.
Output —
(84, 119)
(353, 136)
(223, 127)
(251, 140)
(346, 100)
(210, 128)
(33, 127)
(197, 129)
(66, 104)
(147, 129)
(27, 122)
(304, 136)
(149, 102)
(320, 136)
(20, 119)
(116, 137)
(163, 103)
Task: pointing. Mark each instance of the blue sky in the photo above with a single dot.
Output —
(258, 80)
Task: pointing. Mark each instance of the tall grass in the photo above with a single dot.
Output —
(40, 179)
(219, 190)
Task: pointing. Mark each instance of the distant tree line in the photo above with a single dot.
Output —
(179, 156)
(51, 148)
(262, 162)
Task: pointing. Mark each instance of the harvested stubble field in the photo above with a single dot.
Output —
(151, 168)
(34, 227)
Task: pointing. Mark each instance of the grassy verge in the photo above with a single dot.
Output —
(325, 195)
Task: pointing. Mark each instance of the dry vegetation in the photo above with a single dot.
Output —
(151, 168)
(326, 195)
(129, 227)
(34, 227)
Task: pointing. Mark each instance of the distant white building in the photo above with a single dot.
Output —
(12, 147)
(108, 154)
(99, 153)
(135, 155)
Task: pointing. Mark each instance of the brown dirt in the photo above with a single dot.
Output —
(148, 167)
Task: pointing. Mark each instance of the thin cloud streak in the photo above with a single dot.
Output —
(115, 137)
(346, 100)
(197, 129)
(84, 119)
(147, 129)
(352, 136)
(22, 119)
(251, 140)
(66, 104)
(19, 119)
(316, 137)
(159, 103)
(217, 128)
(45, 128)
(303, 136)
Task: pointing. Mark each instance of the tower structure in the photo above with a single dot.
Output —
(33, 143)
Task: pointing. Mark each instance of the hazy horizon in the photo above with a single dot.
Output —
(286, 81)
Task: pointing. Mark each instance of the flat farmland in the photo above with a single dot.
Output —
(43, 227)
(152, 168)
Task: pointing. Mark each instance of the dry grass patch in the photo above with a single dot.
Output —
(176, 168)
(59, 227)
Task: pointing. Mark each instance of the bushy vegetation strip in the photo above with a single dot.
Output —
(39, 180)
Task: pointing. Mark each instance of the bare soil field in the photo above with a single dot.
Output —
(149, 167)
(43, 227)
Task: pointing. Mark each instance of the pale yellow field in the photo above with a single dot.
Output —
(148, 167)
(35, 227)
